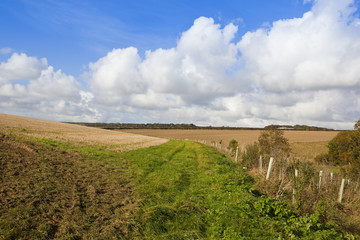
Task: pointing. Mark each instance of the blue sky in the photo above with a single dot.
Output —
(232, 63)
(70, 34)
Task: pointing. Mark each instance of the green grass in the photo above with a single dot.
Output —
(178, 190)
(189, 191)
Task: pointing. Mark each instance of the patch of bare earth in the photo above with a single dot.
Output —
(113, 140)
(50, 193)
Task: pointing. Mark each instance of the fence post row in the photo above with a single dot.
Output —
(271, 162)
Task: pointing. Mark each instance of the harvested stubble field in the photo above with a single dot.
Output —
(304, 144)
(76, 134)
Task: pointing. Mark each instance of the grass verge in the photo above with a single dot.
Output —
(189, 191)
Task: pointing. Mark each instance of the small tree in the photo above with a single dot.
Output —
(344, 150)
(272, 143)
(340, 148)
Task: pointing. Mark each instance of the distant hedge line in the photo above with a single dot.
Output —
(193, 126)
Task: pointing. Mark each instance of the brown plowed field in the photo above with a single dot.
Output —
(242, 136)
(304, 144)
(75, 133)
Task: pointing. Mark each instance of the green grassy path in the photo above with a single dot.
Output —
(189, 191)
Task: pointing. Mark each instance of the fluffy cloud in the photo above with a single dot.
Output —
(29, 86)
(296, 71)
(21, 66)
(318, 51)
(195, 72)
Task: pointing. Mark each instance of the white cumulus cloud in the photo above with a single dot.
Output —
(317, 51)
(29, 86)
(20, 67)
(301, 70)
(194, 72)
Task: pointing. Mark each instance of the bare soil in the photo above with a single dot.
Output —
(50, 193)
(304, 144)
(242, 136)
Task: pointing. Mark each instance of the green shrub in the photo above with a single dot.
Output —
(273, 144)
(251, 154)
(344, 150)
(322, 158)
(340, 148)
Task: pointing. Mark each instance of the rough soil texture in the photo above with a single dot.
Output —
(49, 193)
(76, 134)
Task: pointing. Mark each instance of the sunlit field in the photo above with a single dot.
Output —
(305, 144)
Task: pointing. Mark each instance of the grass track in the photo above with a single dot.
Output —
(189, 191)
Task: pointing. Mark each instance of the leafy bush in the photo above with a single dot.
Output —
(322, 158)
(273, 144)
(340, 148)
(344, 150)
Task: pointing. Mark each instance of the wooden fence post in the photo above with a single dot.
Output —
(269, 168)
(341, 190)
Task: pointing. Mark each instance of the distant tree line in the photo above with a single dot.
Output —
(297, 127)
(115, 126)
(140, 125)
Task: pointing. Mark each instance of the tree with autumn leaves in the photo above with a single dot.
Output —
(344, 149)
